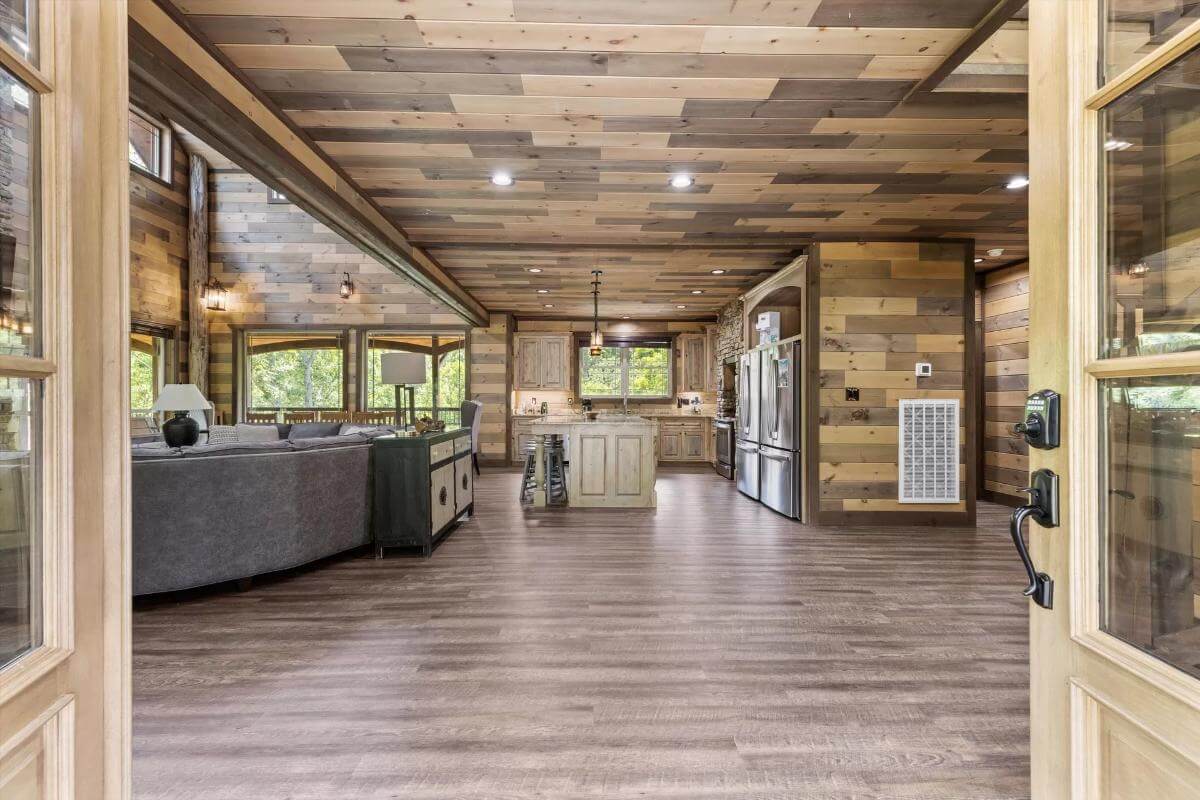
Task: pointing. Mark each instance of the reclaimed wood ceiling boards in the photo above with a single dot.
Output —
(791, 117)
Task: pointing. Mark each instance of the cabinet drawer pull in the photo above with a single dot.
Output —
(442, 496)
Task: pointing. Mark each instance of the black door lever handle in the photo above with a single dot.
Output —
(1041, 585)
(1043, 509)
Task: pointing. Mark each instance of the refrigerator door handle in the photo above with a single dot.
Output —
(773, 457)
(747, 448)
(775, 404)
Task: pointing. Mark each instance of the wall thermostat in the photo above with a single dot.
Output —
(924, 369)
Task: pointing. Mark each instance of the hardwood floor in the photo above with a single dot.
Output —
(710, 650)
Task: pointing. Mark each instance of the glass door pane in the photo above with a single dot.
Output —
(20, 530)
(1133, 28)
(1151, 491)
(1151, 141)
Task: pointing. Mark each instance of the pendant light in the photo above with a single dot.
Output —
(597, 337)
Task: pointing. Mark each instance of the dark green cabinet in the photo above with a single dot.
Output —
(423, 488)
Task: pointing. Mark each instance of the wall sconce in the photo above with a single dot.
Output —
(346, 290)
(216, 296)
(1137, 269)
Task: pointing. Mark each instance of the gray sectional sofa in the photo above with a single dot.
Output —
(222, 512)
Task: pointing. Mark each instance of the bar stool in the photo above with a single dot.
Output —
(556, 470)
(528, 483)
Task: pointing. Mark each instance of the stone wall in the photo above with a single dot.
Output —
(729, 346)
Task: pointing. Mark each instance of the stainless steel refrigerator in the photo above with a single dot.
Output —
(747, 432)
(780, 439)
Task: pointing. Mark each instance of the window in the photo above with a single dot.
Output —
(149, 145)
(445, 387)
(276, 196)
(639, 370)
(22, 627)
(151, 366)
(295, 370)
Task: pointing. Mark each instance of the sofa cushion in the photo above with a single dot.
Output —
(321, 442)
(368, 430)
(222, 434)
(248, 432)
(146, 452)
(314, 430)
(234, 449)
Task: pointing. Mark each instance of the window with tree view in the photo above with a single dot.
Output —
(445, 387)
(639, 371)
(295, 370)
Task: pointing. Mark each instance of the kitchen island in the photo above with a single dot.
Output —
(613, 460)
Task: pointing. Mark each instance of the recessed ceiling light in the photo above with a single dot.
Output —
(996, 252)
(1117, 145)
(717, 271)
(548, 305)
(624, 316)
(979, 261)
(502, 179)
(535, 269)
(1019, 182)
(697, 291)
(681, 181)
(543, 291)
(681, 306)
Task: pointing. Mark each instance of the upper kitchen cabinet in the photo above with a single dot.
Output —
(694, 371)
(543, 361)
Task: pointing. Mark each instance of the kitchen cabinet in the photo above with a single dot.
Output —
(694, 368)
(684, 438)
(543, 361)
(522, 434)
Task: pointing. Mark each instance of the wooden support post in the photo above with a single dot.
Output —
(198, 347)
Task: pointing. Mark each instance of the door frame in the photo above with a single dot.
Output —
(1082, 678)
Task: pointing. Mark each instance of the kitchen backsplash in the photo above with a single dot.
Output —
(528, 402)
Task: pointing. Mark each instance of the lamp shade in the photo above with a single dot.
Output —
(180, 397)
(402, 369)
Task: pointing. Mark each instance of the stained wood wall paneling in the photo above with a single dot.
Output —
(1005, 317)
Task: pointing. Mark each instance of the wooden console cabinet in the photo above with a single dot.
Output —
(423, 487)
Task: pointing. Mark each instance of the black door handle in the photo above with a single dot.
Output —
(1043, 509)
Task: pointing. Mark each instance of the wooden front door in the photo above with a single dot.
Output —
(64, 401)
(1115, 328)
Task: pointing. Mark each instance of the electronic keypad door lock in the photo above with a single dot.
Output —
(1042, 420)
(1043, 509)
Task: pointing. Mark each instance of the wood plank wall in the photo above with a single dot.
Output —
(282, 267)
(491, 382)
(158, 251)
(1005, 316)
(883, 307)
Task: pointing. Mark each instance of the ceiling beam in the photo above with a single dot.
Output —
(1001, 13)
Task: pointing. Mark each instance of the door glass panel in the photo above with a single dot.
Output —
(1152, 214)
(18, 27)
(20, 557)
(1151, 516)
(19, 335)
(1133, 28)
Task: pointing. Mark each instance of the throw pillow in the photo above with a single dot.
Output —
(256, 433)
(314, 430)
(222, 434)
(349, 428)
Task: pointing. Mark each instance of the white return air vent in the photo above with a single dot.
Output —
(928, 451)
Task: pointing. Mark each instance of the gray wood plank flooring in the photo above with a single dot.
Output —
(710, 651)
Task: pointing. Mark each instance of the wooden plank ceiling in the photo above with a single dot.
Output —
(790, 115)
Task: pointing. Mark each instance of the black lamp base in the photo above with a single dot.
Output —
(181, 430)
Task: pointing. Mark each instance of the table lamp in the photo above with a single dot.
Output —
(404, 371)
(182, 398)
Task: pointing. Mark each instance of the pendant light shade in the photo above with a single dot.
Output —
(597, 337)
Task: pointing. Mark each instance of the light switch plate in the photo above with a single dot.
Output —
(924, 369)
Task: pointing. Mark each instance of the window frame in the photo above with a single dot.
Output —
(625, 344)
(242, 336)
(170, 335)
(166, 148)
(363, 348)
(50, 372)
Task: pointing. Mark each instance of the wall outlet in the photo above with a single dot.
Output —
(851, 395)
(924, 369)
